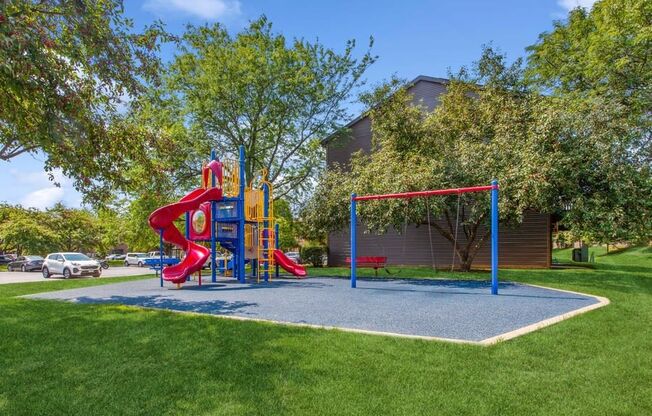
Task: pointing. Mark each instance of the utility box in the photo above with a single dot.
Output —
(581, 254)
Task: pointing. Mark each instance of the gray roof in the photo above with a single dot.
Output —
(420, 78)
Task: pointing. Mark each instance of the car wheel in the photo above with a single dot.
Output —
(9, 269)
(23, 269)
(97, 274)
(126, 263)
(140, 264)
(66, 273)
(46, 273)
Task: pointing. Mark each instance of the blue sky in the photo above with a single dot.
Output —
(411, 38)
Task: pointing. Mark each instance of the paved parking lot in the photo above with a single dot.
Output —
(20, 277)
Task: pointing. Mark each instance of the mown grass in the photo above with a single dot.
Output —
(63, 358)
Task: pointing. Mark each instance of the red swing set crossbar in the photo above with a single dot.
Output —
(419, 194)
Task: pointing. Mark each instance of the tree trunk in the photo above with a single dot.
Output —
(465, 253)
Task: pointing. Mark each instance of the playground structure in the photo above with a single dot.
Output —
(493, 188)
(224, 211)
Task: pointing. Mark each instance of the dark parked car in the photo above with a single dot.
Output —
(26, 264)
(6, 258)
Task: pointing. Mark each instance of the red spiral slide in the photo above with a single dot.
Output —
(283, 261)
(163, 219)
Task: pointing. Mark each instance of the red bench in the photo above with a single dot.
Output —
(370, 262)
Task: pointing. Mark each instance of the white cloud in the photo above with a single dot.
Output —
(38, 178)
(206, 9)
(43, 198)
(571, 4)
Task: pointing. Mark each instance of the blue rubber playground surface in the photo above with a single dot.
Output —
(444, 309)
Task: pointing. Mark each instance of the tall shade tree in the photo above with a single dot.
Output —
(476, 134)
(77, 229)
(276, 97)
(66, 68)
(597, 67)
(25, 231)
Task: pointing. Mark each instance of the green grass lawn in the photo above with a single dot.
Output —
(62, 358)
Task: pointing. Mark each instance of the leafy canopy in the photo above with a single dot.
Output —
(275, 97)
(66, 68)
(463, 142)
(597, 67)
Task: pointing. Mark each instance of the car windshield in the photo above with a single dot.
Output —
(76, 256)
(33, 258)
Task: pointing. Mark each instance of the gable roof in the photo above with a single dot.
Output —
(420, 78)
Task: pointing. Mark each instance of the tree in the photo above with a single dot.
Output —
(25, 231)
(256, 89)
(112, 227)
(597, 67)
(139, 236)
(76, 229)
(465, 141)
(286, 224)
(67, 67)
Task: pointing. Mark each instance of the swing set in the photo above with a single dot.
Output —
(493, 188)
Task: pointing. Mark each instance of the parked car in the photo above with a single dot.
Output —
(116, 257)
(135, 259)
(294, 256)
(6, 258)
(26, 264)
(70, 264)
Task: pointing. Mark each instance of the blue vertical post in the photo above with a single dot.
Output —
(353, 240)
(160, 253)
(212, 225)
(241, 221)
(266, 233)
(276, 246)
(494, 237)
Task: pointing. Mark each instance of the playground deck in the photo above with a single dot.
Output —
(462, 311)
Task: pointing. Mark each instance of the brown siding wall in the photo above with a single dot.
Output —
(340, 150)
(524, 246)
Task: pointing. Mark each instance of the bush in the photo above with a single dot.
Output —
(314, 255)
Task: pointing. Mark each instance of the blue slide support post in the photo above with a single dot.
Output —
(160, 253)
(188, 225)
(494, 237)
(213, 234)
(276, 246)
(241, 221)
(353, 240)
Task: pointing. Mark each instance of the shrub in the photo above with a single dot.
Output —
(314, 255)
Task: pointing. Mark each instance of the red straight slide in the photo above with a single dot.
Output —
(283, 261)
(163, 219)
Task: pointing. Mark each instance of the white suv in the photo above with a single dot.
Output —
(70, 264)
(135, 259)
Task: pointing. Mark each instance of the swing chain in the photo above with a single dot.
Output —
(457, 222)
